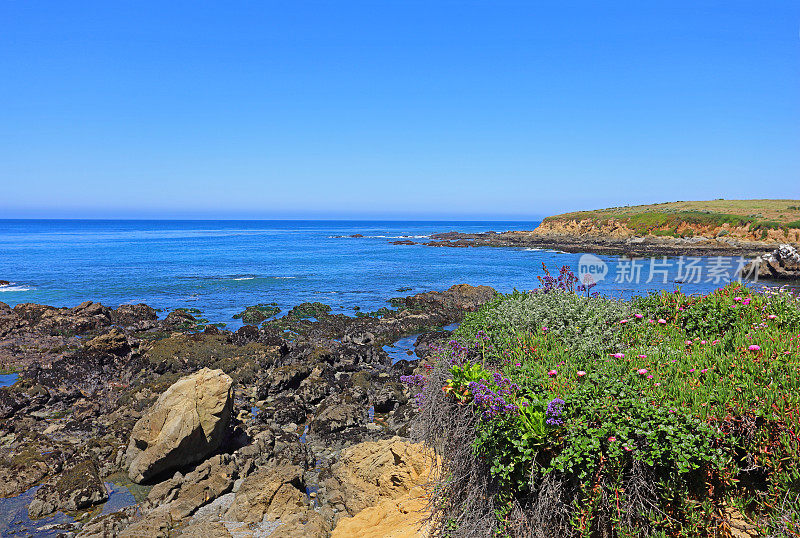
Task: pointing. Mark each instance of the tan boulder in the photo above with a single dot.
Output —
(390, 518)
(273, 491)
(186, 424)
(370, 472)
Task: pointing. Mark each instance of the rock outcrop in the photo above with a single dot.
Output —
(373, 471)
(78, 487)
(272, 491)
(186, 424)
(783, 263)
(382, 485)
(145, 396)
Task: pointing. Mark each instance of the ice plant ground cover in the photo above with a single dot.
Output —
(683, 412)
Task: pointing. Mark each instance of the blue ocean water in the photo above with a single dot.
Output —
(220, 267)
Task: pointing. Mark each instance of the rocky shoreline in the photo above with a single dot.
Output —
(287, 428)
(640, 246)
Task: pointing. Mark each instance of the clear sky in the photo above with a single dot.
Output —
(393, 109)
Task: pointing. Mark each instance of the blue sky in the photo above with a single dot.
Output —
(393, 109)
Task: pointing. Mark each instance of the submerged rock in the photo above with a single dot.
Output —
(186, 424)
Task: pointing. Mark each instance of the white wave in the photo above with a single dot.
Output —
(13, 287)
(244, 278)
(283, 277)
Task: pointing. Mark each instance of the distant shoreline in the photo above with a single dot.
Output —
(627, 246)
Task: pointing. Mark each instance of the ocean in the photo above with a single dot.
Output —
(220, 267)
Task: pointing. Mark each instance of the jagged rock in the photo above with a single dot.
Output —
(373, 471)
(155, 524)
(108, 524)
(390, 397)
(114, 341)
(79, 486)
(403, 517)
(132, 314)
(185, 494)
(274, 491)
(186, 423)
(782, 263)
(340, 411)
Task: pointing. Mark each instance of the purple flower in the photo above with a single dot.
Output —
(554, 411)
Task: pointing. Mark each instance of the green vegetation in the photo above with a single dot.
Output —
(664, 219)
(558, 414)
(253, 315)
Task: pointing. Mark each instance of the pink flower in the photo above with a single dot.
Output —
(627, 448)
(715, 342)
(518, 364)
(623, 321)
(642, 356)
(704, 370)
(581, 373)
(657, 385)
(650, 376)
(552, 373)
(638, 316)
(544, 329)
(641, 371)
(662, 321)
(651, 321)
(612, 439)
(746, 301)
(703, 342)
(754, 348)
(680, 309)
(691, 370)
(688, 342)
(737, 299)
(618, 355)
(772, 316)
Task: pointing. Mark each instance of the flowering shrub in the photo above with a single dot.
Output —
(585, 324)
(678, 408)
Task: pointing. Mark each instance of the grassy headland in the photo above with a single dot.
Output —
(750, 219)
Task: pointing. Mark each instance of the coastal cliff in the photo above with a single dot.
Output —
(712, 228)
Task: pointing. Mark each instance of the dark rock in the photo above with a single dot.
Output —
(79, 486)
(389, 397)
(428, 342)
(340, 411)
(113, 342)
(132, 314)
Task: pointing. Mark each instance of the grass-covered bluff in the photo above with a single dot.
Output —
(558, 414)
(756, 220)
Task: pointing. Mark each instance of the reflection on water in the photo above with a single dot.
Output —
(6, 380)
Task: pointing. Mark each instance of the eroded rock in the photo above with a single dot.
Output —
(79, 486)
(186, 424)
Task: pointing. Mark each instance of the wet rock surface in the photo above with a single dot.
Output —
(281, 404)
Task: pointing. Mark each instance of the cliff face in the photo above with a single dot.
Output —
(617, 228)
